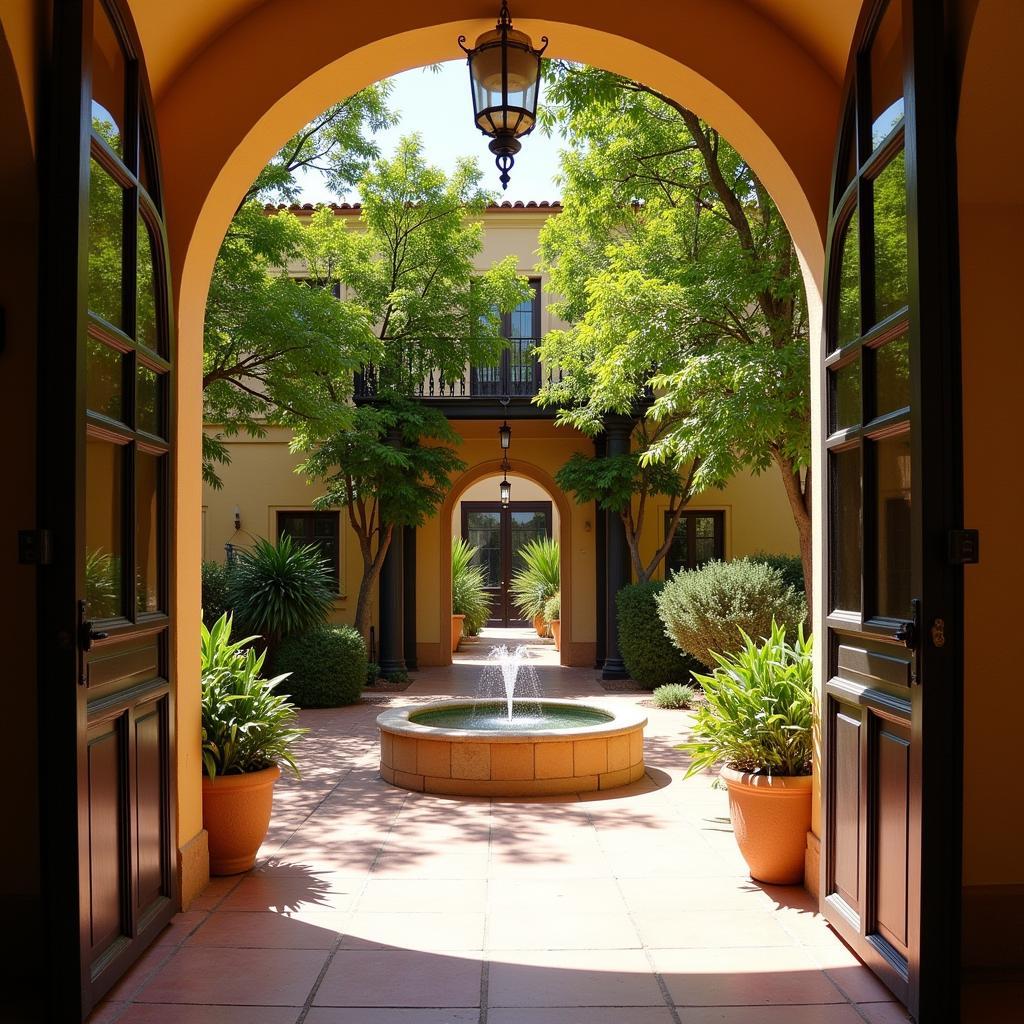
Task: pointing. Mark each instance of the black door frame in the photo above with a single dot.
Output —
(934, 882)
(501, 600)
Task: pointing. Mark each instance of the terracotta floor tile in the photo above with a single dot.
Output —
(290, 893)
(369, 1015)
(180, 927)
(389, 895)
(400, 978)
(743, 977)
(215, 891)
(555, 896)
(517, 930)
(531, 978)
(395, 863)
(684, 895)
(428, 931)
(236, 977)
(711, 928)
(587, 1015)
(140, 1013)
(247, 929)
(894, 1013)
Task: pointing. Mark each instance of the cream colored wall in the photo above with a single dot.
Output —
(523, 489)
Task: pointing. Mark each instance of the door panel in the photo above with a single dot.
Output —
(106, 385)
(892, 454)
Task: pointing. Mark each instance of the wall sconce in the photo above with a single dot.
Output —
(238, 518)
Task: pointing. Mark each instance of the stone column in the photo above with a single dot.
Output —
(409, 596)
(617, 563)
(600, 565)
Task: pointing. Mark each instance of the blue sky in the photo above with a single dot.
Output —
(439, 107)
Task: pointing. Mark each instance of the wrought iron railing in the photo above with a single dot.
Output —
(517, 374)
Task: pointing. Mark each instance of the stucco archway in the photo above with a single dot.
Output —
(527, 470)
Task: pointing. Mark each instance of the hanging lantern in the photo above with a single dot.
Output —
(504, 73)
(505, 488)
(505, 436)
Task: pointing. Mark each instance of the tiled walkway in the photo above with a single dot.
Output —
(371, 905)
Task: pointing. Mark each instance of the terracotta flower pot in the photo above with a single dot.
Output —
(457, 621)
(540, 625)
(770, 818)
(236, 816)
(556, 632)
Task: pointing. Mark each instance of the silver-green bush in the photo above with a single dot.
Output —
(706, 611)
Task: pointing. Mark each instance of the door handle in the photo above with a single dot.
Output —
(87, 635)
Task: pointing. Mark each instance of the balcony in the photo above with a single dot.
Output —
(480, 392)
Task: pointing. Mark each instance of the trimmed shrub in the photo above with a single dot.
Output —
(651, 658)
(215, 591)
(675, 696)
(791, 567)
(328, 666)
(704, 610)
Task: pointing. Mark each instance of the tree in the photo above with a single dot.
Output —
(409, 263)
(681, 283)
(277, 351)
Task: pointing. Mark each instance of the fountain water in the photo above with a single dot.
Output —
(509, 673)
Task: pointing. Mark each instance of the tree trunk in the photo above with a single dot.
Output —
(362, 622)
(799, 494)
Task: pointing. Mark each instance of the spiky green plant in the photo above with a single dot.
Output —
(538, 580)
(469, 596)
(246, 726)
(280, 589)
(758, 714)
(553, 608)
(675, 696)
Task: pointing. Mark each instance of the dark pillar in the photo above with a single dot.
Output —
(617, 565)
(392, 618)
(409, 597)
(600, 564)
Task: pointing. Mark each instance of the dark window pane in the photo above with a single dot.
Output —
(106, 206)
(147, 532)
(845, 534)
(706, 539)
(109, 81)
(146, 329)
(526, 527)
(890, 200)
(845, 396)
(887, 74)
(149, 401)
(104, 529)
(320, 529)
(848, 157)
(892, 376)
(847, 313)
(483, 531)
(104, 379)
(146, 175)
(892, 524)
(679, 554)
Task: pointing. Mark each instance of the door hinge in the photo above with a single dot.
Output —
(962, 547)
(35, 547)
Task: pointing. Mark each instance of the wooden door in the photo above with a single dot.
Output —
(498, 534)
(891, 777)
(107, 704)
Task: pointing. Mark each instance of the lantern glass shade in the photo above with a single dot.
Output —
(506, 492)
(505, 80)
(505, 435)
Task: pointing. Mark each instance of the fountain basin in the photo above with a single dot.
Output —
(551, 747)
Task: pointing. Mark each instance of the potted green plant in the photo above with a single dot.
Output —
(470, 603)
(248, 732)
(537, 581)
(757, 724)
(552, 616)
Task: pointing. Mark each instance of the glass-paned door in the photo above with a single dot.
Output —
(499, 534)
(105, 450)
(517, 372)
(891, 454)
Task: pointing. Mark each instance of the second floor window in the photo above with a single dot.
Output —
(518, 371)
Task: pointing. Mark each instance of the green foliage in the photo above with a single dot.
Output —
(102, 584)
(215, 582)
(246, 726)
(791, 567)
(372, 673)
(397, 677)
(651, 658)
(469, 597)
(707, 611)
(759, 710)
(326, 666)
(280, 589)
(553, 609)
(277, 351)
(539, 578)
(675, 696)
